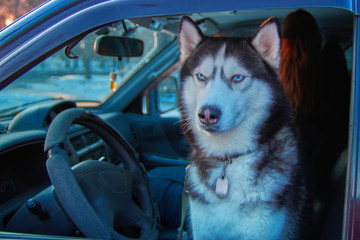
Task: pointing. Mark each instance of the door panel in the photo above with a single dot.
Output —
(162, 142)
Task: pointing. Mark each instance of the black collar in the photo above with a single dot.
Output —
(228, 157)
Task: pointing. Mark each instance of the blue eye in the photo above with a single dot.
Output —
(201, 77)
(237, 78)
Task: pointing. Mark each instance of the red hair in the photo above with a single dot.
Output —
(300, 62)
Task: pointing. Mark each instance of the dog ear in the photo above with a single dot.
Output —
(267, 42)
(189, 37)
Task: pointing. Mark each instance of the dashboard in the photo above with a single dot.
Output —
(15, 180)
(23, 160)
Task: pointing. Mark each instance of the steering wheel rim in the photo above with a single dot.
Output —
(66, 183)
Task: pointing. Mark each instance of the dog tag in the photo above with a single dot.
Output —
(221, 188)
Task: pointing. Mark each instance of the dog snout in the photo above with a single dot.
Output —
(209, 115)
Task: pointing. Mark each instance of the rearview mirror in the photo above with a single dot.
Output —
(115, 46)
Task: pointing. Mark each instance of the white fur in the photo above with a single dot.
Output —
(236, 222)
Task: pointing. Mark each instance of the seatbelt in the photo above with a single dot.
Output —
(184, 208)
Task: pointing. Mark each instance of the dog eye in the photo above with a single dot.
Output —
(201, 77)
(237, 78)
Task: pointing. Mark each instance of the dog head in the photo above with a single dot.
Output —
(229, 87)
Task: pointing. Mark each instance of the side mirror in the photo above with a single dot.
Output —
(115, 46)
(167, 93)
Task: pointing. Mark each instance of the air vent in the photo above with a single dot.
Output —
(84, 140)
(78, 142)
(91, 138)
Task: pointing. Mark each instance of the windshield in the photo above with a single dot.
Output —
(86, 76)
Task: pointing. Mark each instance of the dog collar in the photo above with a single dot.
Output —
(228, 157)
(222, 183)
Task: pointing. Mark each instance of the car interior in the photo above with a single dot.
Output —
(146, 138)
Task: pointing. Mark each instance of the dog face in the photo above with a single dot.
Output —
(227, 87)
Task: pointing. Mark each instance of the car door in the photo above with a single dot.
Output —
(158, 128)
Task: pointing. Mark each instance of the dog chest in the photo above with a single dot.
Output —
(226, 220)
(245, 183)
(249, 210)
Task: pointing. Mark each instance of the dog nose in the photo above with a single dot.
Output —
(209, 115)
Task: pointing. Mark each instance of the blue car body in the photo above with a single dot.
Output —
(56, 23)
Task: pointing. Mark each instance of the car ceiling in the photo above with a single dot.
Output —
(330, 21)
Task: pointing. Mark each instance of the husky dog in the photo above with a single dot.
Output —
(245, 178)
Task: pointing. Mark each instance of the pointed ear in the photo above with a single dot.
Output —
(267, 42)
(189, 37)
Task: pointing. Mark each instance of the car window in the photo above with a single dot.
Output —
(167, 94)
(85, 75)
(161, 98)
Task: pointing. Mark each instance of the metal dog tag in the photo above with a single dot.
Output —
(221, 188)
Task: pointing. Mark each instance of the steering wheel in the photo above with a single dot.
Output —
(100, 198)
